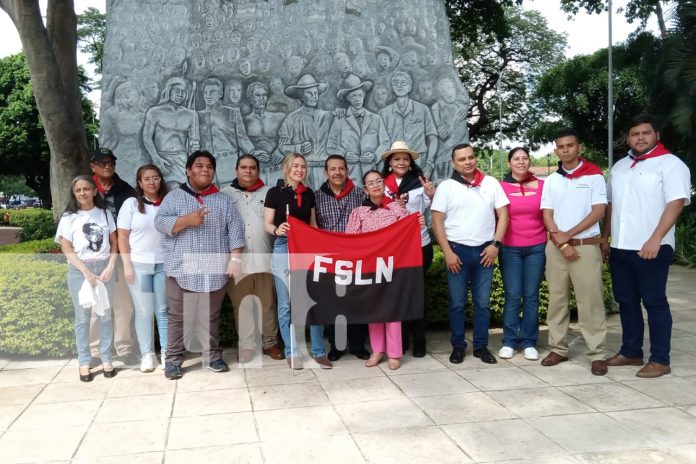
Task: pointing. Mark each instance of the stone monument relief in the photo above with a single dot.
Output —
(272, 77)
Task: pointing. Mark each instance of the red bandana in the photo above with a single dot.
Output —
(301, 188)
(259, 183)
(659, 150)
(197, 195)
(390, 182)
(528, 178)
(153, 203)
(100, 187)
(478, 178)
(382, 204)
(587, 169)
(349, 188)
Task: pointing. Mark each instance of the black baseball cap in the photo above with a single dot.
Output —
(101, 153)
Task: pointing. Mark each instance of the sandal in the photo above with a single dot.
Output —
(374, 359)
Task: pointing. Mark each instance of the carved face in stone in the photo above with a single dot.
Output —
(128, 47)
(232, 55)
(265, 45)
(310, 97)
(410, 58)
(196, 40)
(177, 94)
(295, 66)
(234, 91)
(285, 51)
(116, 55)
(322, 64)
(158, 57)
(384, 60)
(212, 94)
(361, 68)
(218, 35)
(217, 56)
(264, 64)
(342, 62)
(401, 84)
(433, 59)
(411, 26)
(251, 45)
(305, 47)
(210, 22)
(198, 60)
(151, 91)
(401, 27)
(356, 98)
(380, 95)
(236, 38)
(354, 46)
(425, 90)
(381, 27)
(245, 67)
(177, 55)
(248, 26)
(446, 90)
(276, 86)
(259, 97)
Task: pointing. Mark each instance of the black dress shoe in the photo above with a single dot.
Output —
(418, 348)
(361, 354)
(111, 373)
(484, 355)
(457, 356)
(335, 355)
(87, 377)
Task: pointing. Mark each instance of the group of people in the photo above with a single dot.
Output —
(182, 251)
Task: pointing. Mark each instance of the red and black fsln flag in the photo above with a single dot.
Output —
(371, 277)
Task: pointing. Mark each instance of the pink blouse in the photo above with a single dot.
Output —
(363, 219)
(526, 227)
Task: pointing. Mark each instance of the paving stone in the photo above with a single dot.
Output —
(413, 445)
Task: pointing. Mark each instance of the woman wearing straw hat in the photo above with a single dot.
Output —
(404, 179)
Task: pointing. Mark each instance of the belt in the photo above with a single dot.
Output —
(586, 241)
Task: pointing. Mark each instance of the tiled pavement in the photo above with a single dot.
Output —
(427, 411)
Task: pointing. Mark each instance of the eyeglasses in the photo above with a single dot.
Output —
(147, 180)
(106, 164)
(374, 183)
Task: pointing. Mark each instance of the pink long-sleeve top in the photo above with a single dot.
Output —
(363, 219)
(526, 227)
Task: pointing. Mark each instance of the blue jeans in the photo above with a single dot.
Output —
(480, 278)
(636, 280)
(149, 294)
(522, 269)
(83, 315)
(279, 266)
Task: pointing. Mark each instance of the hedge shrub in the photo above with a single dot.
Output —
(36, 224)
(35, 246)
(36, 312)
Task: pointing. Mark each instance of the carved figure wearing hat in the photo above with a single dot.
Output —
(361, 135)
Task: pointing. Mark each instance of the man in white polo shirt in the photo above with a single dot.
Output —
(463, 215)
(647, 191)
(573, 202)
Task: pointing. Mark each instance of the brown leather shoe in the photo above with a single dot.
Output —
(552, 359)
(620, 360)
(246, 355)
(653, 369)
(599, 367)
(274, 352)
(324, 362)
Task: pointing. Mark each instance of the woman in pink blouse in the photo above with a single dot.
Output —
(522, 257)
(379, 211)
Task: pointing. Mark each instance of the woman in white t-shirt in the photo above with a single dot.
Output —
(142, 251)
(87, 236)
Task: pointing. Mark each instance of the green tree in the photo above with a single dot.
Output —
(91, 33)
(13, 186)
(518, 58)
(635, 10)
(24, 150)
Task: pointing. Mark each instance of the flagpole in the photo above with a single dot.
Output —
(610, 91)
(292, 332)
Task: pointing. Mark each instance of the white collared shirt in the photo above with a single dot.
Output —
(638, 197)
(572, 199)
(469, 211)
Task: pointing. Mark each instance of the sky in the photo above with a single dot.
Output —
(585, 33)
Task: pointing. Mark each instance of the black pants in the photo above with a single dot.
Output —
(417, 326)
(357, 335)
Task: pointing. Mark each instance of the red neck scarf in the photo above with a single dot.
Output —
(348, 188)
(382, 204)
(391, 184)
(659, 150)
(586, 169)
(203, 193)
(153, 203)
(259, 183)
(100, 187)
(478, 178)
(301, 188)
(528, 178)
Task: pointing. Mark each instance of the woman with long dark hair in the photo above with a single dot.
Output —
(522, 257)
(142, 251)
(87, 236)
(404, 179)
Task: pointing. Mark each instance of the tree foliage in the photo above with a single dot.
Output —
(517, 59)
(635, 10)
(91, 33)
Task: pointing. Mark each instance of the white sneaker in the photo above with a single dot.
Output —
(506, 352)
(163, 356)
(147, 363)
(531, 353)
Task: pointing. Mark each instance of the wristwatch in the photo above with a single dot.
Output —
(497, 243)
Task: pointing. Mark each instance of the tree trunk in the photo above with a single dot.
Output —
(660, 19)
(51, 57)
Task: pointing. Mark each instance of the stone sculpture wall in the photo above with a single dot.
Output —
(272, 77)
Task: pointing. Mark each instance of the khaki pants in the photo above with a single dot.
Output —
(124, 333)
(585, 274)
(254, 303)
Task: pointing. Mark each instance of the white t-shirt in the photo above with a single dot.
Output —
(469, 211)
(88, 231)
(146, 243)
(638, 197)
(572, 199)
(418, 202)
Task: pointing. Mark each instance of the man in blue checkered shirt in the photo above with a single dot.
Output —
(204, 237)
